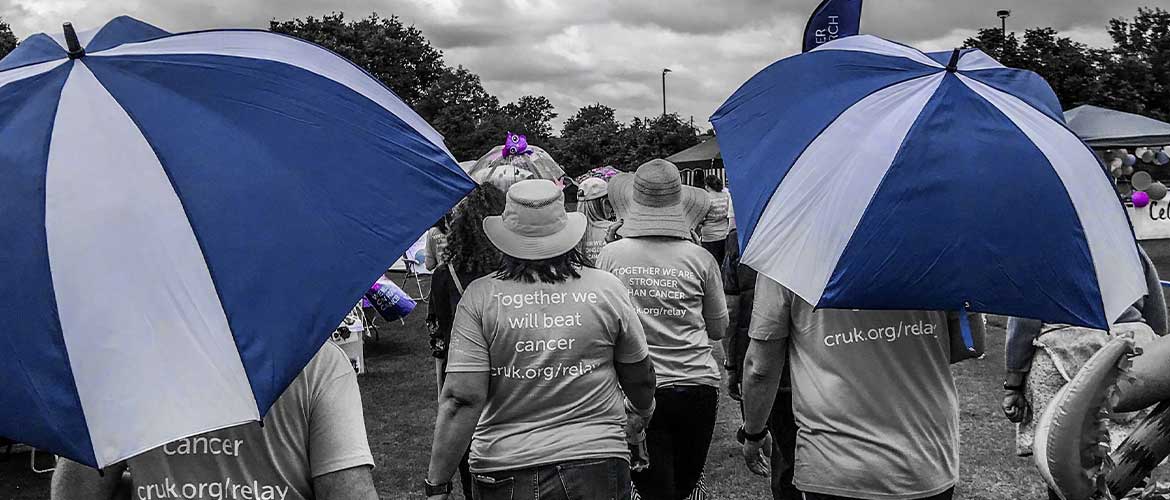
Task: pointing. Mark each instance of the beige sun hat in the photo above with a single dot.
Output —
(654, 202)
(534, 225)
(592, 189)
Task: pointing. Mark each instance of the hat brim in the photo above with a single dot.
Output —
(535, 247)
(675, 221)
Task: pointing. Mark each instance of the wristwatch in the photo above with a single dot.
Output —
(1013, 388)
(741, 435)
(436, 489)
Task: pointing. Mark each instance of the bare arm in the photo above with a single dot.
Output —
(73, 481)
(637, 381)
(460, 406)
(761, 379)
(354, 483)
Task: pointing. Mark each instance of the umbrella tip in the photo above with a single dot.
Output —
(72, 45)
(953, 66)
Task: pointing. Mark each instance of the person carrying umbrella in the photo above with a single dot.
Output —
(677, 288)
(594, 203)
(312, 446)
(541, 354)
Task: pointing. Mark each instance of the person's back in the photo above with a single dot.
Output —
(553, 395)
(670, 281)
(541, 353)
(314, 429)
(872, 392)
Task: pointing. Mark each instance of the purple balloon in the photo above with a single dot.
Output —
(1141, 199)
(1129, 160)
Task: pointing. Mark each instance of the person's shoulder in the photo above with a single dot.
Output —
(329, 362)
(593, 277)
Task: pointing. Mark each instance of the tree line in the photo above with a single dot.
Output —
(1133, 75)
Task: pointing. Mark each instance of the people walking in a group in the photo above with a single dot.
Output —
(716, 222)
(677, 289)
(594, 203)
(541, 354)
(871, 424)
(312, 445)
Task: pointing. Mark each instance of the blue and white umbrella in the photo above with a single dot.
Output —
(869, 175)
(184, 219)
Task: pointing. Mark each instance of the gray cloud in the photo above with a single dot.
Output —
(578, 52)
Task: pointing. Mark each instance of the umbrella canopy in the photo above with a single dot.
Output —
(1107, 128)
(701, 155)
(184, 219)
(870, 175)
(502, 167)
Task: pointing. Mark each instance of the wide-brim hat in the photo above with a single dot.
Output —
(654, 202)
(534, 225)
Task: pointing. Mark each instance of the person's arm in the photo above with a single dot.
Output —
(465, 390)
(432, 258)
(714, 302)
(1018, 353)
(73, 481)
(637, 381)
(763, 366)
(354, 483)
(460, 406)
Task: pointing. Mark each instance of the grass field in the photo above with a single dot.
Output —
(399, 392)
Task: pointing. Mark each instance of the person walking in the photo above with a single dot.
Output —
(876, 407)
(594, 203)
(677, 288)
(717, 221)
(541, 354)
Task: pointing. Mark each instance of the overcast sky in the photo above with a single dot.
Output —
(578, 52)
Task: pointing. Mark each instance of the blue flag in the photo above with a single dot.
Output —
(833, 19)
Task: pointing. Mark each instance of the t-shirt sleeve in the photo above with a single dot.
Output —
(771, 315)
(337, 427)
(604, 259)
(630, 345)
(714, 302)
(469, 348)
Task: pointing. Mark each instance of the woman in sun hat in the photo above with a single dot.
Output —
(541, 354)
(594, 203)
(677, 288)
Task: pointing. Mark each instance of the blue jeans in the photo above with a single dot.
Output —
(596, 479)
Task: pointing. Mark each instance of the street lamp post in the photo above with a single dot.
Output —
(664, 72)
(1003, 15)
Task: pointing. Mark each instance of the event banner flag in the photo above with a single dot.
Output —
(831, 20)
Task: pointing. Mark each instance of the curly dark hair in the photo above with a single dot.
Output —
(554, 270)
(469, 250)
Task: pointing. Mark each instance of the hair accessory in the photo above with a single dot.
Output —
(516, 145)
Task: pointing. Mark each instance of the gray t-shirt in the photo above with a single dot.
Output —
(873, 395)
(315, 428)
(677, 288)
(550, 351)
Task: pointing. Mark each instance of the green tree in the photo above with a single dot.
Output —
(397, 54)
(7, 39)
(590, 138)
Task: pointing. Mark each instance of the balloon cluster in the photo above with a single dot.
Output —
(1145, 189)
(1121, 162)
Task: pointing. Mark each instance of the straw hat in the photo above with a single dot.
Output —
(534, 225)
(654, 202)
(592, 189)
